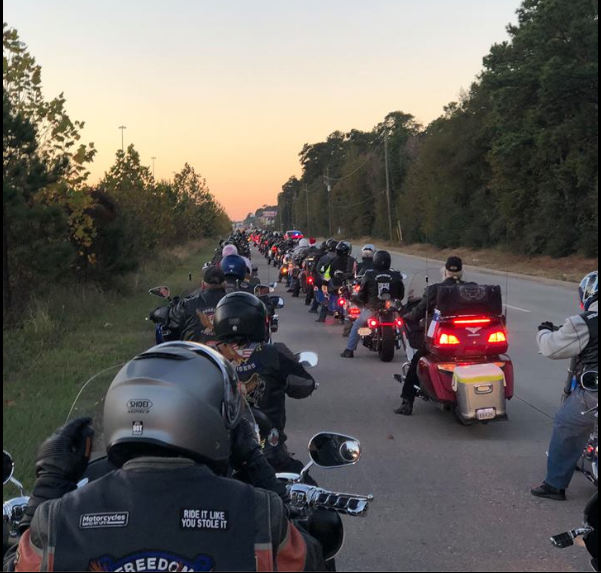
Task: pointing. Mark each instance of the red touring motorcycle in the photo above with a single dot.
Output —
(466, 369)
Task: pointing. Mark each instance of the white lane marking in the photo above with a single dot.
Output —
(518, 308)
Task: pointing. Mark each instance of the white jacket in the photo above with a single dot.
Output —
(569, 341)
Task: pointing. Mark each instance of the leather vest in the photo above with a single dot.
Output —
(589, 357)
(152, 518)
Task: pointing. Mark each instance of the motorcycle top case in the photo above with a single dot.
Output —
(480, 390)
(470, 299)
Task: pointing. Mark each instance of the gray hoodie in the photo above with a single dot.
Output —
(569, 341)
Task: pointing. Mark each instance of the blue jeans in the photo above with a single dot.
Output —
(361, 322)
(571, 431)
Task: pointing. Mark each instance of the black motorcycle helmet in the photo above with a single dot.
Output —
(323, 246)
(382, 261)
(343, 249)
(241, 316)
(332, 244)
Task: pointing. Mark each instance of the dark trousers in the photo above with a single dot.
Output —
(412, 381)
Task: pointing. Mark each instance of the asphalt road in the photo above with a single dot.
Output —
(448, 498)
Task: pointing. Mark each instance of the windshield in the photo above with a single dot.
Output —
(419, 282)
(89, 402)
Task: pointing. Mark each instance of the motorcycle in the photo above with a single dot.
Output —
(466, 369)
(589, 533)
(383, 331)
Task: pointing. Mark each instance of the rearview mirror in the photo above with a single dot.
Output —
(160, 291)
(328, 450)
(8, 467)
(308, 359)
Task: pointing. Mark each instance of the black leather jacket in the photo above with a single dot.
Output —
(375, 283)
(192, 318)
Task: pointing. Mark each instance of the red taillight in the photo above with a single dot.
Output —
(471, 321)
(497, 337)
(357, 288)
(373, 323)
(399, 322)
(310, 280)
(448, 340)
(355, 311)
(341, 302)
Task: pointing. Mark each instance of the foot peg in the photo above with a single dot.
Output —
(564, 540)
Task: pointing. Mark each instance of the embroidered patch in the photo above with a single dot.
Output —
(152, 561)
(203, 520)
(104, 520)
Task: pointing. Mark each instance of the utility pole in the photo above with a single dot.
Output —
(388, 185)
(329, 187)
(153, 160)
(308, 223)
(122, 128)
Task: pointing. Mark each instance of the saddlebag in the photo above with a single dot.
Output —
(480, 390)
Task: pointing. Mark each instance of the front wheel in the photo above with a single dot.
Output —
(387, 344)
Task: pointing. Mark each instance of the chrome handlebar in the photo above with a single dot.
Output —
(304, 498)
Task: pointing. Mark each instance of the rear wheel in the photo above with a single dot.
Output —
(387, 344)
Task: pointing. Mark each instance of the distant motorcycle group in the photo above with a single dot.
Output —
(454, 334)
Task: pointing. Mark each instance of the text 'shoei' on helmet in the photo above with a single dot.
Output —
(234, 266)
(589, 290)
(179, 396)
(241, 316)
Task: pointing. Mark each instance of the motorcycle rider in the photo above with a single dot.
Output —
(192, 318)
(268, 372)
(340, 268)
(324, 262)
(236, 273)
(369, 293)
(367, 260)
(308, 263)
(577, 338)
(169, 506)
(452, 274)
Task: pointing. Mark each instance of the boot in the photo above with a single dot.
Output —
(406, 408)
(546, 491)
(348, 354)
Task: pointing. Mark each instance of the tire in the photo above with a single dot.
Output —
(387, 344)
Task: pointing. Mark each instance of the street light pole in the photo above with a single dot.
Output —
(329, 187)
(388, 185)
(153, 160)
(308, 222)
(122, 128)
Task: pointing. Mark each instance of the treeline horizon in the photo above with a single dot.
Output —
(58, 228)
(513, 163)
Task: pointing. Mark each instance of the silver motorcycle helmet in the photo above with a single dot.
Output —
(180, 397)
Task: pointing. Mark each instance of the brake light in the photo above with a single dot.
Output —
(399, 322)
(448, 340)
(497, 337)
(471, 321)
(373, 323)
(355, 311)
(357, 288)
(341, 302)
(310, 280)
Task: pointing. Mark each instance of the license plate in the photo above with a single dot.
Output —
(365, 332)
(486, 414)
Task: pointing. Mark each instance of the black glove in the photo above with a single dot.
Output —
(61, 462)
(547, 326)
(245, 444)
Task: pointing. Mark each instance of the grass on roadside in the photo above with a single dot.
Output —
(69, 335)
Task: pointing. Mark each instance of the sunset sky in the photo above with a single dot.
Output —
(236, 87)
